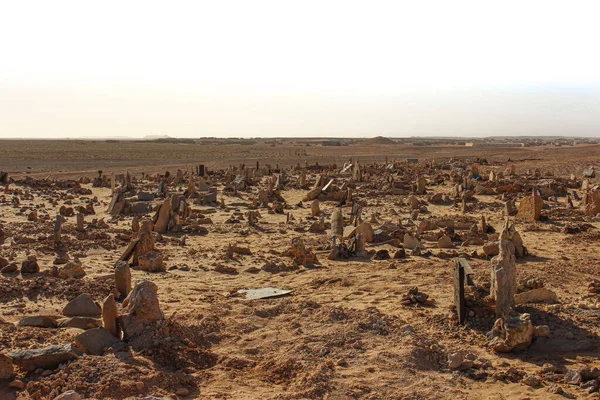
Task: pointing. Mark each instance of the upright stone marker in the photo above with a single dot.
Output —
(459, 291)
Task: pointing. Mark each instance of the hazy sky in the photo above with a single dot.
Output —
(300, 68)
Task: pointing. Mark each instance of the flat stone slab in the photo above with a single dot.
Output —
(39, 321)
(48, 357)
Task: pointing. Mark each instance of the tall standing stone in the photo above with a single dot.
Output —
(135, 224)
(459, 291)
(80, 222)
(109, 315)
(504, 274)
(314, 208)
(145, 242)
(337, 224)
(123, 278)
(421, 185)
(163, 216)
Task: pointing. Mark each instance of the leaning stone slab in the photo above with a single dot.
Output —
(48, 357)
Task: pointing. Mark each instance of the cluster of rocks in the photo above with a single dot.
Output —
(105, 328)
(414, 296)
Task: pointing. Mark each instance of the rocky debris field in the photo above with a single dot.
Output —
(450, 277)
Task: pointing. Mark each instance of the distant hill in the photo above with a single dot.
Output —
(378, 141)
(154, 137)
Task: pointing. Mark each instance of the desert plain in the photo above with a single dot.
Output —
(129, 269)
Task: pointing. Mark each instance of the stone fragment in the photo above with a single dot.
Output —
(541, 295)
(7, 369)
(573, 377)
(530, 380)
(504, 274)
(163, 216)
(421, 185)
(400, 253)
(592, 202)
(109, 315)
(72, 270)
(541, 331)
(337, 224)
(94, 341)
(530, 208)
(301, 254)
(68, 395)
(80, 221)
(445, 242)
(10, 268)
(152, 262)
(315, 210)
(17, 384)
(79, 322)
(140, 308)
(413, 202)
(82, 306)
(123, 278)
(366, 230)
(30, 267)
(456, 359)
(491, 248)
(48, 357)
(410, 242)
(39, 321)
(145, 242)
(511, 332)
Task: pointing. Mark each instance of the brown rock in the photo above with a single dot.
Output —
(80, 323)
(30, 267)
(366, 230)
(17, 384)
(68, 395)
(530, 208)
(164, 215)
(152, 262)
(7, 369)
(512, 332)
(123, 278)
(504, 274)
(72, 270)
(445, 242)
(315, 210)
(40, 321)
(541, 295)
(94, 341)
(140, 309)
(109, 315)
(82, 306)
(12, 267)
(491, 248)
(48, 357)
(145, 243)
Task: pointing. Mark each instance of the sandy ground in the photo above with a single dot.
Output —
(342, 333)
